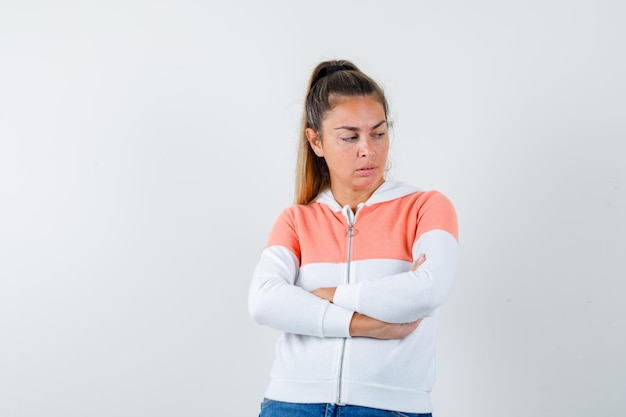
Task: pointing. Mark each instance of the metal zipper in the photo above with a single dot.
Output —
(351, 217)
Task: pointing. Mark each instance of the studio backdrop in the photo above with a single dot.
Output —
(146, 148)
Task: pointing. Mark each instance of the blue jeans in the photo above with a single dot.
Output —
(271, 408)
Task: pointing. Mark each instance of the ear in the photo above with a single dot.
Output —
(315, 141)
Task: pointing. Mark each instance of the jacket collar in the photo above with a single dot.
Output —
(388, 190)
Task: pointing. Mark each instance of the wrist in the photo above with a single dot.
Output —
(325, 293)
(364, 326)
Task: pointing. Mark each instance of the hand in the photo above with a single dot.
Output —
(326, 293)
(420, 260)
(365, 326)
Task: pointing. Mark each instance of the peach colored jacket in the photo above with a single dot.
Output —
(367, 255)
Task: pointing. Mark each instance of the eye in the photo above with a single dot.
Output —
(379, 134)
(350, 139)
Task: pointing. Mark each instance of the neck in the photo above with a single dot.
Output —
(354, 197)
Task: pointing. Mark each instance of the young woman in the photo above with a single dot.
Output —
(353, 274)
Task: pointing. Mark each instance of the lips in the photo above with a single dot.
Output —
(368, 169)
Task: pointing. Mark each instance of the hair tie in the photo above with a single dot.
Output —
(326, 71)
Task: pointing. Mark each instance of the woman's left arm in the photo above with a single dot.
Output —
(407, 296)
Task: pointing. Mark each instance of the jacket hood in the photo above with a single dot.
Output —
(388, 190)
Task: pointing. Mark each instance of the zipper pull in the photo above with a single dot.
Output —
(349, 215)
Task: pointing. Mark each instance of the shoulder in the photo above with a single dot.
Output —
(298, 214)
(429, 209)
(296, 221)
(403, 193)
(432, 198)
(435, 211)
(295, 211)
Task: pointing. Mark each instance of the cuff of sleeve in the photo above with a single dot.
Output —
(347, 296)
(336, 321)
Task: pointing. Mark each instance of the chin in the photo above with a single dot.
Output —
(367, 183)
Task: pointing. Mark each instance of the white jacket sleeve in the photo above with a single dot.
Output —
(408, 296)
(275, 301)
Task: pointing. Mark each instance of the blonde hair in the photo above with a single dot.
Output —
(329, 81)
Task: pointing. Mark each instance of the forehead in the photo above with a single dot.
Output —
(358, 111)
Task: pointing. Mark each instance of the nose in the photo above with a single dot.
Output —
(365, 148)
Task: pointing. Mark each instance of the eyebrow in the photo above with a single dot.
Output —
(356, 129)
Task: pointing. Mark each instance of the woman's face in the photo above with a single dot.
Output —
(355, 142)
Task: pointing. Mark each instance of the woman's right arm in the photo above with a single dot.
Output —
(275, 301)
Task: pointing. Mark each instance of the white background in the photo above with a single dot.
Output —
(147, 147)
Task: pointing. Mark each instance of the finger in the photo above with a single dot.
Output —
(416, 323)
(420, 260)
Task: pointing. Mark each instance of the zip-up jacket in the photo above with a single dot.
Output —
(368, 256)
